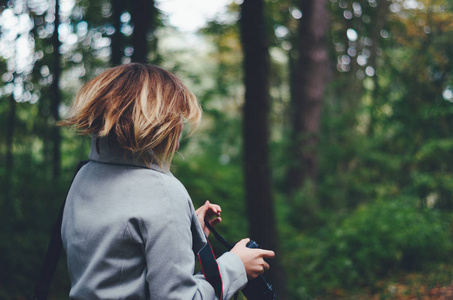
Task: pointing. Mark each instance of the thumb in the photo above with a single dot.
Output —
(202, 209)
(206, 205)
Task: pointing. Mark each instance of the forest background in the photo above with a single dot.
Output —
(326, 133)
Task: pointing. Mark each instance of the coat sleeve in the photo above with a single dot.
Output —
(170, 261)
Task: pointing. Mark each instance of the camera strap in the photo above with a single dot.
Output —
(210, 268)
(53, 252)
(219, 237)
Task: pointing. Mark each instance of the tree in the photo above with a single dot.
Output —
(9, 146)
(55, 95)
(118, 40)
(258, 191)
(307, 87)
(380, 18)
(142, 16)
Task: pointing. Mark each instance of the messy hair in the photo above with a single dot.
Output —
(142, 106)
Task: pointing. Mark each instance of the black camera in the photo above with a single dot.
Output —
(258, 288)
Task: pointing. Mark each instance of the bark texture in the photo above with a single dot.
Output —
(55, 95)
(380, 19)
(258, 191)
(142, 14)
(307, 89)
(118, 40)
(9, 161)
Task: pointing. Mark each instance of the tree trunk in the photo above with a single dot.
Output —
(307, 90)
(142, 14)
(55, 95)
(118, 40)
(9, 150)
(10, 135)
(375, 35)
(259, 200)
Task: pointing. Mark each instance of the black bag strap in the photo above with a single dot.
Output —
(53, 252)
(210, 269)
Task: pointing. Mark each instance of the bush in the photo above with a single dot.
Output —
(374, 240)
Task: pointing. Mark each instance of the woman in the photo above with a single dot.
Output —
(129, 227)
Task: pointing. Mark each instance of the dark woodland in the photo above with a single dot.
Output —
(327, 133)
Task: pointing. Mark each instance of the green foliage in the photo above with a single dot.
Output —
(374, 240)
(383, 200)
(206, 178)
(26, 219)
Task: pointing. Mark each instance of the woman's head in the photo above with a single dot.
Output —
(143, 107)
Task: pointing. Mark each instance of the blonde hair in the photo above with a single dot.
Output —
(141, 106)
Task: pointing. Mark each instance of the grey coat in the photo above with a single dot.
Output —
(131, 232)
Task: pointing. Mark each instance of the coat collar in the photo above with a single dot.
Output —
(107, 150)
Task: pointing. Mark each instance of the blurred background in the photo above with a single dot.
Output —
(326, 135)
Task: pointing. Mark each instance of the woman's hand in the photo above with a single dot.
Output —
(252, 258)
(206, 213)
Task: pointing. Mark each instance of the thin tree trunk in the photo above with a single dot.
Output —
(260, 203)
(307, 89)
(10, 135)
(118, 40)
(379, 22)
(9, 150)
(142, 14)
(56, 95)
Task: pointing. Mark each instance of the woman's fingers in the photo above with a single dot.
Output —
(265, 266)
(252, 258)
(215, 221)
(212, 210)
(267, 253)
(208, 210)
(216, 208)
